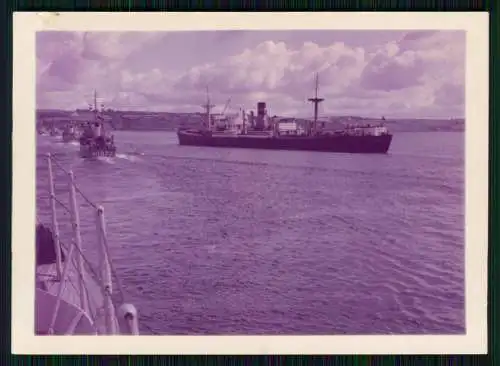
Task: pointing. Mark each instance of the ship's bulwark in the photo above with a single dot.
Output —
(341, 144)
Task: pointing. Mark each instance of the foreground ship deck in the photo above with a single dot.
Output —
(74, 296)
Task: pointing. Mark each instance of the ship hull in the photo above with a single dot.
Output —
(89, 153)
(94, 149)
(330, 143)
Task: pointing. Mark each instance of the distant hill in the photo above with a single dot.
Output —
(169, 121)
(424, 125)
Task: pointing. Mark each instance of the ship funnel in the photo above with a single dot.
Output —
(261, 108)
(261, 116)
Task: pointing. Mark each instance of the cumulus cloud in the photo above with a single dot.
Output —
(420, 74)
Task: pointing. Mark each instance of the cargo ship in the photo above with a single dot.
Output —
(263, 132)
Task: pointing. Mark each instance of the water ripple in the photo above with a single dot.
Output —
(219, 241)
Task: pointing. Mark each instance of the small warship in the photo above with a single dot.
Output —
(262, 132)
(94, 141)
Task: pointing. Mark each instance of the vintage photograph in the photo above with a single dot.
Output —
(254, 182)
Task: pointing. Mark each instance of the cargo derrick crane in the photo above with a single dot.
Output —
(226, 106)
(223, 113)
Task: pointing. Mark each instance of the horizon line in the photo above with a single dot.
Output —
(277, 115)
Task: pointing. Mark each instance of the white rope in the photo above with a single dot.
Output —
(74, 323)
(103, 289)
(61, 289)
(112, 267)
(91, 300)
(59, 165)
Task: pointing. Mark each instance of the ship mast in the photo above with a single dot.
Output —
(95, 104)
(97, 118)
(244, 117)
(208, 107)
(316, 101)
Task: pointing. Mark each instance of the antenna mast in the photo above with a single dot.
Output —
(95, 105)
(96, 112)
(208, 107)
(316, 101)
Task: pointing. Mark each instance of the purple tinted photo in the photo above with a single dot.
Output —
(250, 182)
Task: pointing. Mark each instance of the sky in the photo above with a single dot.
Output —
(406, 74)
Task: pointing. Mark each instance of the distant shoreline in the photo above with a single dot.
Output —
(170, 121)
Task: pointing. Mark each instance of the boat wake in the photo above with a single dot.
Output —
(130, 156)
(106, 159)
(70, 143)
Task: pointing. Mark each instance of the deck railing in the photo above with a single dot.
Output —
(127, 320)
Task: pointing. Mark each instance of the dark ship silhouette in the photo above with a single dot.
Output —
(95, 141)
(262, 132)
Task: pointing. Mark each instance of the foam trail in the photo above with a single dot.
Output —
(128, 157)
(106, 159)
